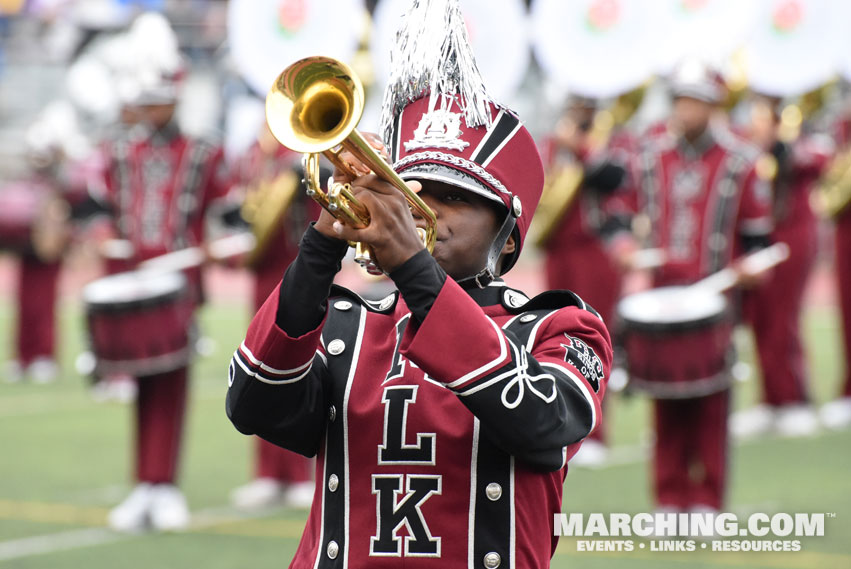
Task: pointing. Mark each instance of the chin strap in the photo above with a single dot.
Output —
(487, 275)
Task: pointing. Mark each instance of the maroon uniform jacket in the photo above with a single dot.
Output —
(256, 166)
(705, 202)
(438, 443)
(159, 187)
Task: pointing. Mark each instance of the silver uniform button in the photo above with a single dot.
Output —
(334, 550)
(343, 305)
(332, 413)
(336, 347)
(492, 559)
(528, 317)
(333, 483)
(515, 299)
(493, 491)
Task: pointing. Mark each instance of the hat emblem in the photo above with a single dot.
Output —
(439, 128)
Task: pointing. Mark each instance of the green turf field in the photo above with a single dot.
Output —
(64, 460)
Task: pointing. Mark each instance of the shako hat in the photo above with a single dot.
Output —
(440, 124)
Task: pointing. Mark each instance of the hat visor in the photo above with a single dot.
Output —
(693, 92)
(451, 176)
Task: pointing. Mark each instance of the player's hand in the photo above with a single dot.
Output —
(391, 234)
(750, 279)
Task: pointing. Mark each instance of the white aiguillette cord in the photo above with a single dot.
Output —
(754, 263)
(219, 249)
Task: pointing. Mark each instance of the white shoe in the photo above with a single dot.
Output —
(751, 423)
(299, 495)
(119, 387)
(13, 372)
(258, 494)
(592, 453)
(43, 370)
(837, 414)
(793, 421)
(131, 515)
(168, 510)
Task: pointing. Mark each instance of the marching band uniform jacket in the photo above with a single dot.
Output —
(442, 418)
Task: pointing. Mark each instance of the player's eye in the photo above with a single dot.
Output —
(455, 197)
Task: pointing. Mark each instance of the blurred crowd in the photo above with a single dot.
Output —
(678, 138)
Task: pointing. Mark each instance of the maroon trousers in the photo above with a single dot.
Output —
(584, 267)
(774, 311)
(160, 410)
(843, 273)
(272, 461)
(690, 456)
(36, 328)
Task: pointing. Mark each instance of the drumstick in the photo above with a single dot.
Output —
(754, 263)
(218, 249)
(648, 259)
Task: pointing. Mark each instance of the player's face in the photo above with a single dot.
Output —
(157, 115)
(691, 116)
(466, 226)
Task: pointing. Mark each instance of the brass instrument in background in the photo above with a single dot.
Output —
(560, 190)
(314, 107)
(563, 182)
(833, 195)
(264, 207)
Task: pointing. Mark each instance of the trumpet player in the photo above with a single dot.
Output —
(450, 407)
(586, 170)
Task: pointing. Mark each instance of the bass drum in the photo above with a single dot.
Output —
(677, 342)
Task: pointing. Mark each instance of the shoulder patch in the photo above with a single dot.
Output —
(582, 356)
(384, 305)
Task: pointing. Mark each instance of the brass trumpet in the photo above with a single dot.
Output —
(834, 188)
(313, 107)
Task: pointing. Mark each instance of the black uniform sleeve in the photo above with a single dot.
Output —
(419, 280)
(307, 282)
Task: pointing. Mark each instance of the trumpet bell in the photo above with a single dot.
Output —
(314, 105)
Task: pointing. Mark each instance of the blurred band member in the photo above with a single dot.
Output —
(774, 307)
(837, 414)
(267, 168)
(577, 247)
(158, 189)
(699, 187)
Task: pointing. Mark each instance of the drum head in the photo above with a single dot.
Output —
(674, 307)
(133, 288)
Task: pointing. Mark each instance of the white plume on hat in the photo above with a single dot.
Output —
(157, 62)
(433, 55)
(56, 129)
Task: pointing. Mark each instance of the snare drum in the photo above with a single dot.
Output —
(139, 323)
(677, 341)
